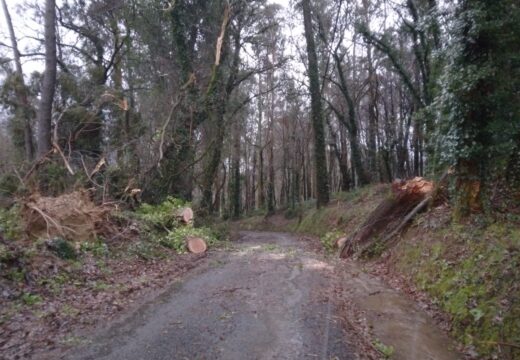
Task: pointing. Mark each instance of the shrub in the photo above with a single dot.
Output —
(10, 223)
(8, 184)
(62, 248)
(329, 239)
(161, 223)
(176, 239)
(163, 215)
(97, 248)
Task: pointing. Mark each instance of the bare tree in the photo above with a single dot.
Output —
(21, 89)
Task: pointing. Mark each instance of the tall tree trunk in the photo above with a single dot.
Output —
(351, 125)
(322, 183)
(261, 176)
(49, 80)
(342, 160)
(21, 89)
(372, 116)
(217, 96)
(236, 172)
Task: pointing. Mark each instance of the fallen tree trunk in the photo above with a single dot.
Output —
(391, 215)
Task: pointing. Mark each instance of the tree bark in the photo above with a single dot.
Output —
(351, 125)
(49, 80)
(322, 183)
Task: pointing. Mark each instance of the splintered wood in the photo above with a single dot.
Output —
(390, 214)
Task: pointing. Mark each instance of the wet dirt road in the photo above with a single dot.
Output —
(265, 299)
(269, 297)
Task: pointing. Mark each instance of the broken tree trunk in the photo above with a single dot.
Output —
(409, 197)
(196, 245)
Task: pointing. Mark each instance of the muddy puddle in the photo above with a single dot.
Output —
(396, 320)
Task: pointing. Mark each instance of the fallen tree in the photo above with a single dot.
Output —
(71, 216)
(390, 217)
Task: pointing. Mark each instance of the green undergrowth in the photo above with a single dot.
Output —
(36, 270)
(472, 273)
(10, 223)
(344, 213)
(161, 225)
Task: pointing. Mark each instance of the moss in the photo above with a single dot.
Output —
(315, 222)
(472, 275)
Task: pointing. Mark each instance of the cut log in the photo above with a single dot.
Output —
(185, 215)
(196, 245)
(340, 242)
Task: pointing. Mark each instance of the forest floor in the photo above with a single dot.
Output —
(271, 296)
(277, 291)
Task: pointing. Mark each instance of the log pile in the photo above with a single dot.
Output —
(194, 244)
(390, 217)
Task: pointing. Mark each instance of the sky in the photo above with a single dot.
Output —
(25, 27)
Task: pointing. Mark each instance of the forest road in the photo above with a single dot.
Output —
(266, 298)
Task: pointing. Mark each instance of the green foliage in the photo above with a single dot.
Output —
(163, 215)
(147, 250)
(62, 248)
(97, 248)
(329, 239)
(53, 178)
(472, 274)
(5, 254)
(31, 299)
(478, 108)
(11, 223)
(9, 184)
(16, 275)
(374, 250)
(176, 239)
(90, 138)
(385, 350)
(164, 229)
